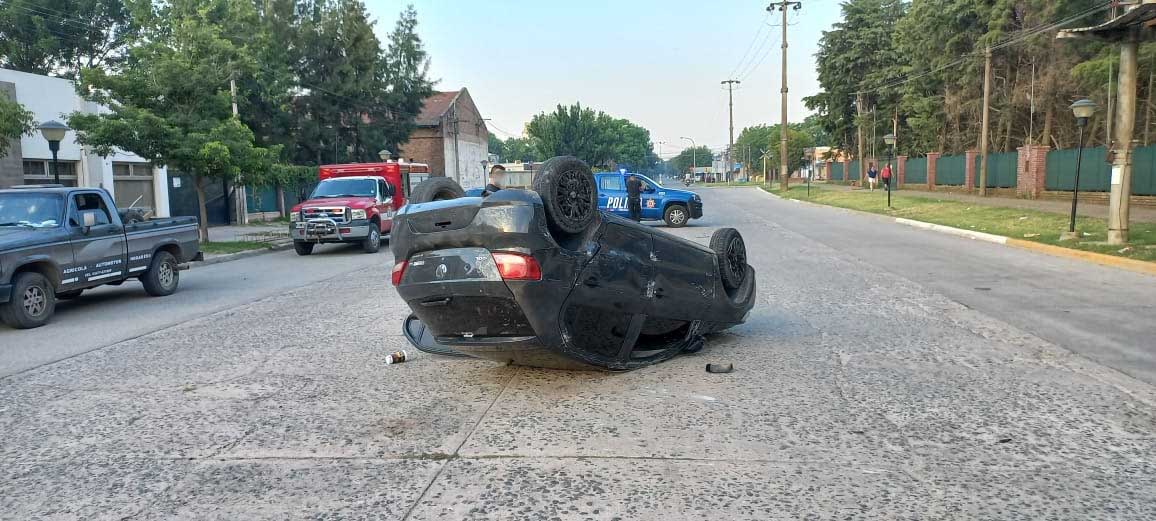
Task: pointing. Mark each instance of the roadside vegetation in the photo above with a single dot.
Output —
(224, 247)
(1029, 225)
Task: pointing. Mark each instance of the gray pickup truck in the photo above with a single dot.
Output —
(56, 242)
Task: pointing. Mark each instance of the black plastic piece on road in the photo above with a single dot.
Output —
(720, 368)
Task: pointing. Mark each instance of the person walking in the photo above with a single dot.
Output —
(871, 175)
(634, 197)
(886, 176)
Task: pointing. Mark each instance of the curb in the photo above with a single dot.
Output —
(1113, 261)
(245, 254)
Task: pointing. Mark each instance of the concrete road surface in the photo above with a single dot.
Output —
(875, 380)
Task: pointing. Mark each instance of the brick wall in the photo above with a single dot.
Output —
(426, 145)
(932, 159)
(1031, 168)
(969, 169)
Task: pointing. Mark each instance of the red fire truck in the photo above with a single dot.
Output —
(354, 203)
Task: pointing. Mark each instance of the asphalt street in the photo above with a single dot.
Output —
(886, 373)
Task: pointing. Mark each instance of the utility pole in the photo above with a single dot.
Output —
(731, 109)
(783, 5)
(1121, 187)
(983, 132)
(238, 188)
(859, 128)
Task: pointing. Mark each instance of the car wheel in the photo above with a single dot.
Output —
(731, 251)
(373, 242)
(162, 277)
(436, 189)
(132, 216)
(302, 248)
(676, 216)
(33, 302)
(568, 193)
(69, 295)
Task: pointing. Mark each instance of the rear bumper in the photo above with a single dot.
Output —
(5, 293)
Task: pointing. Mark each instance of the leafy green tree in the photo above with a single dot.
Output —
(61, 37)
(157, 113)
(575, 130)
(698, 156)
(15, 121)
(520, 149)
(797, 142)
(632, 148)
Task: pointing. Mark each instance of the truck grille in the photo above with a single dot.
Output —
(337, 213)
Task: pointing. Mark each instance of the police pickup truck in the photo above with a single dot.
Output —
(676, 207)
(56, 242)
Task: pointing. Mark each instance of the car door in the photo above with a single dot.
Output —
(385, 203)
(612, 194)
(652, 199)
(98, 251)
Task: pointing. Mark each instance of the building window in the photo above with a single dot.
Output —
(39, 171)
(133, 185)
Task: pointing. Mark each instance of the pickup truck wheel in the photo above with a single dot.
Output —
(162, 277)
(436, 189)
(372, 243)
(568, 193)
(731, 251)
(302, 248)
(676, 216)
(33, 302)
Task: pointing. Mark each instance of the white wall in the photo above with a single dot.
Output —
(53, 99)
(470, 156)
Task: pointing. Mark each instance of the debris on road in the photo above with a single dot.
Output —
(720, 368)
(396, 357)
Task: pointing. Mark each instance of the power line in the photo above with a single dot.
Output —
(739, 65)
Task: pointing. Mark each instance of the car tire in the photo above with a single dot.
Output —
(569, 194)
(372, 243)
(731, 252)
(69, 295)
(436, 189)
(303, 248)
(676, 216)
(132, 216)
(162, 277)
(33, 302)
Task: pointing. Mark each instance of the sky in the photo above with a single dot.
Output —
(656, 63)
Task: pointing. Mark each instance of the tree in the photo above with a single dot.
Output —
(517, 149)
(797, 141)
(15, 121)
(575, 131)
(632, 148)
(156, 112)
(61, 37)
(698, 156)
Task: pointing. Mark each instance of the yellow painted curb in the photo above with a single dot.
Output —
(1098, 258)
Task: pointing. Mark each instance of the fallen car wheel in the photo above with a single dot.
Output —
(436, 189)
(303, 248)
(728, 245)
(568, 194)
(32, 304)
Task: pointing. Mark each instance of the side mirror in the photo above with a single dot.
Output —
(388, 200)
(88, 219)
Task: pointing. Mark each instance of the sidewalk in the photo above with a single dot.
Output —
(1087, 209)
(253, 233)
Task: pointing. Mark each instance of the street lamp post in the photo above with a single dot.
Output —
(889, 139)
(693, 156)
(54, 132)
(1083, 110)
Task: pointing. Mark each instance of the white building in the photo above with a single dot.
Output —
(131, 179)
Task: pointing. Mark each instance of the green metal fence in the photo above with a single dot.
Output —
(854, 174)
(915, 171)
(1001, 170)
(951, 170)
(836, 171)
(261, 199)
(1095, 172)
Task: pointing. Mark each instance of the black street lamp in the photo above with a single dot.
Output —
(1083, 110)
(889, 139)
(53, 132)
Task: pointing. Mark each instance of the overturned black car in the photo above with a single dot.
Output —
(542, 278)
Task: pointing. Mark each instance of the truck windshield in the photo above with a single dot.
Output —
(31, 210)
(345, 188)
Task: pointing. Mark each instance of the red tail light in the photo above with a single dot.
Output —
(398, 271)
(516, 266)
